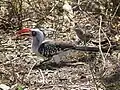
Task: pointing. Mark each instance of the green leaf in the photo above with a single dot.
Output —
(20, 88)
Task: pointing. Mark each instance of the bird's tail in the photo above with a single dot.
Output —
(70, 45)
(93, 49)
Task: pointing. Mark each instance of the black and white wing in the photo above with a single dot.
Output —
(50, 48)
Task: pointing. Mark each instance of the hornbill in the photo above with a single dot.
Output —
(49, 48)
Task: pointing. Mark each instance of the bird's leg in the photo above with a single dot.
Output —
(78, 41)
(39, 60)
(44, 64)
(45, 60)
(56, 59)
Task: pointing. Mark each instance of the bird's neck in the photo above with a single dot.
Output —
(36, 42)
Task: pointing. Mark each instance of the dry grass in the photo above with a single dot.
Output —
(79, 70)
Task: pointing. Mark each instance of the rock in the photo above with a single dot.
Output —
(4, 87)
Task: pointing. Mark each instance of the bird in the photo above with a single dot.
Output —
(81, 35)
(47, 47)
(42, 46)
(86, 37)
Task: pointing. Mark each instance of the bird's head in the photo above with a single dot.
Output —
(37, 35)
(30, 32)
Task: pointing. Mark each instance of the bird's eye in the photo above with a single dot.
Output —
(34, 33)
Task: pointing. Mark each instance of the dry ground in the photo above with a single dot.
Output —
(78, 70)
(16, 61)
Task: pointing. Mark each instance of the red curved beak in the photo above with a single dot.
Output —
(25, 31)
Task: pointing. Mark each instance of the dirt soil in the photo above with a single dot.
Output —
(17, 61)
